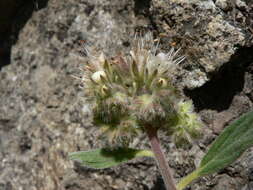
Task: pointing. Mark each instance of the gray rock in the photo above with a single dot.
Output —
(42, 113)
(223, 4)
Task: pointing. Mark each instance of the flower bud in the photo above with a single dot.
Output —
(97, 76)
(188, 124)
(162, 82)
(104, 90)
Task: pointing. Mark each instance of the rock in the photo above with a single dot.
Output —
(42, 113)
(241, 4)
(227, 183)
(221, 120)
(223, 4)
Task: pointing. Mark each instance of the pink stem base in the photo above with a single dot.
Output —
(161, 161)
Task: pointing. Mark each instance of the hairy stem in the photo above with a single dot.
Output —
(161, 161)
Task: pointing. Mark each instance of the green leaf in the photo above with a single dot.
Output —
(105, 158)
(229, 146)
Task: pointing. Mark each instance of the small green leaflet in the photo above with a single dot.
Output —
(105, 158)
(229, 146)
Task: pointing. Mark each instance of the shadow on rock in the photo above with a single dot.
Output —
(218, 93)
(13, 16)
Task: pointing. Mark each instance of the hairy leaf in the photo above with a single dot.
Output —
(228, 147)
(233, 141)
(105, 158)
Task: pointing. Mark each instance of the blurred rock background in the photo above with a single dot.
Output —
(43, 117)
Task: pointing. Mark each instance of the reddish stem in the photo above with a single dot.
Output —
(161, 161)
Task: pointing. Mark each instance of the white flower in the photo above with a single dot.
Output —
(97, 76)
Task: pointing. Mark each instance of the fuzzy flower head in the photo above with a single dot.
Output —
(135, 90)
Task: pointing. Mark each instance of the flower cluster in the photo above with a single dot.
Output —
(131, 92)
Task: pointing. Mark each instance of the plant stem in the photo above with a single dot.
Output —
(161, 161)
(187, 180)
